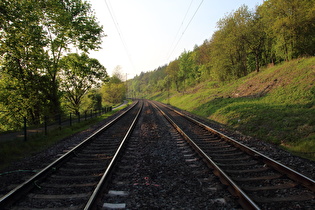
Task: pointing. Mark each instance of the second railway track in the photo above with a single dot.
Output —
(257, 180)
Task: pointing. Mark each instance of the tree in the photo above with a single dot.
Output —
(172, 71)
(290, 24)
(34, 35)
(67, 23)
(186, 71)
(202, 59)
(23, 59)
(117, 73)
(255, 38)
(92, 100)
(78, 75)
(114, 91)
(230, 45)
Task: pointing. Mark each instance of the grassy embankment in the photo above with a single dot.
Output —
(275, 105)
(16, 149)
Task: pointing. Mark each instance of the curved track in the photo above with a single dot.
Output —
(258, 181)
(75, 180)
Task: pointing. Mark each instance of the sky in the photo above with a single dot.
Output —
(142, 35)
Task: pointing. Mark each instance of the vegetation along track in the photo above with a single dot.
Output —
(74, 180)
(258, 181)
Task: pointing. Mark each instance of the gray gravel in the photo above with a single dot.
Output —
(165, 172)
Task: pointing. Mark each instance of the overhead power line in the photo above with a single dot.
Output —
(111, 12)
(169, 52)
(185, 30)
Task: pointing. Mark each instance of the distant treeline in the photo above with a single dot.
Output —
(246, 40)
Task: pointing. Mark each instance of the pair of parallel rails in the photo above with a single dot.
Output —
(76, 179)
(256, 180)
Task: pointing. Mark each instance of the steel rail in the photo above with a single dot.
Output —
(294, 175)
(244, 200)
(20, 190)
(91, 204)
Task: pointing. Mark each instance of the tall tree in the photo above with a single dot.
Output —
(23, 58)
(255, 37)
(67, 23)
(290, 24)
(34, 35)
(229, 45)
(172, 71)
(186, 72)
(79, 74)
(202, 58)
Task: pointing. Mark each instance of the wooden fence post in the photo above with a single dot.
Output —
(59, 119)
(45, 124)
(70, 120)
(25, 129)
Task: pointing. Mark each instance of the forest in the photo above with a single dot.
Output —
(245, 40)
(45, 68)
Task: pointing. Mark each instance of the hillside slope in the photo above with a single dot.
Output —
(275, 105)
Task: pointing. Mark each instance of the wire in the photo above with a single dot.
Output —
(168, 54)
(111, 12)
(185, 29)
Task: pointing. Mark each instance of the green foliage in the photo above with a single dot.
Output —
(78, 75)
(290, 26)
(92, 100)
(113, 92)
(34, 36)
(172, 71)
(146, 83)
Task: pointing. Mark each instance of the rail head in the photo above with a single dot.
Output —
(18, 192)
(91, 204)
(244, 200)
(304, 180)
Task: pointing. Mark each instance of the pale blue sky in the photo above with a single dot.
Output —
(148, 29)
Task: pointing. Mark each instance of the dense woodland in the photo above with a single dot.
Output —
(40, 76)
(245, 40)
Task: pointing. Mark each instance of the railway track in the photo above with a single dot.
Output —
(159, 170)
(163, 164)
(257, 181)
(75, 180)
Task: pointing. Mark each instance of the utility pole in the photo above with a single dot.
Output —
(126, 86)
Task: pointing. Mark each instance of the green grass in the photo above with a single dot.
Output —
(17, 149)
(276, 105)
